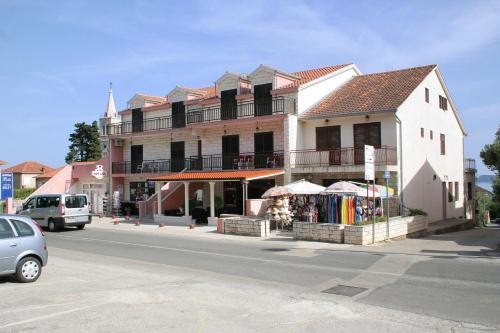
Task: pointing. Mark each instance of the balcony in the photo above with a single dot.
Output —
(148, 125)
(245, 161)
(341, 157)
(470, 165)
(277, 105)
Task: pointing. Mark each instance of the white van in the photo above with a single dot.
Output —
(56, 211)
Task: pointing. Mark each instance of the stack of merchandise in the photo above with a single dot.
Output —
(278, 210)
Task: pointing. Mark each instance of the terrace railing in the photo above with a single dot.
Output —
(342, 157)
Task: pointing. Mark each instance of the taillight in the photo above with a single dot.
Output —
(40, 228)
(63, 211)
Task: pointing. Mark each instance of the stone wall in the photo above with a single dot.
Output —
(323, 232)
(244, 227)
(399, 227)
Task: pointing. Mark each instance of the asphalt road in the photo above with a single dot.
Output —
(407, 287)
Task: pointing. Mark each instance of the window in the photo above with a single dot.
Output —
(30, 204)
(427, 95)
(422, 132)
(456, 191)
(443, 144)
(431, 134)
(75, 201)
(53, 201)
(469, 191)
(5, 230)
(450, 192)
(22, 228)
(42, 202)
(443, 103)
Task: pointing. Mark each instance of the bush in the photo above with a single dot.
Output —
(22, 193)
(416, 211)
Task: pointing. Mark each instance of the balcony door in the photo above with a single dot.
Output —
(263, 101)
(177, 156)
(228, 104)
(137, 120)
(178, 115)
(328, 139)
(264, 149)
(136, 156)
(365, 134)
(230, 151)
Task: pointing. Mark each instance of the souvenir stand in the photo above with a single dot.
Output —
(306, 201)
(277, 206)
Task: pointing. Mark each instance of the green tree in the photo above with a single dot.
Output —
(491, 158)
(85, 144)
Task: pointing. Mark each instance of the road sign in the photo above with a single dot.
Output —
(7, 185)
(369, 162)
(387, 175)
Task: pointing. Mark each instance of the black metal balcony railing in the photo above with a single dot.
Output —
(152, 124)
(245, 161)
(470, 164)
(342, 157)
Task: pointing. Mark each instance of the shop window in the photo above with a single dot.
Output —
(140, 191)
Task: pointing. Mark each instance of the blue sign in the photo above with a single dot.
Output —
(7, 185)
(387, 175)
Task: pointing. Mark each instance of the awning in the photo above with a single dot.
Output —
(229, 175)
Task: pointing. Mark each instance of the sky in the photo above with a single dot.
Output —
(58, 57)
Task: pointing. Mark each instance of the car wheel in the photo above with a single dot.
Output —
(52, 226)
(80, 227)
(28, 270)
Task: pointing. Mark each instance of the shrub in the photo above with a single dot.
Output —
(416, 211)
(22, 193)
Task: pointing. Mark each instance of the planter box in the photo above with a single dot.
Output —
(399, 227)
(322, 232)
(244, 227)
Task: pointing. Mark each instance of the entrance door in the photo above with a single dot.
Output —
(233, 198)
(228, 104)
(177, 156)
(263, 100)
(264, 150)
(444, 199)
(365, 134)
(230, 151)
(328, 139)
(136, 153)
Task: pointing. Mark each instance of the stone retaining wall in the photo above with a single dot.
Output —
(399, 227)
(323, 232)
(244, 227)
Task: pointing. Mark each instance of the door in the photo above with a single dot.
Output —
(230, 151)
(76, 209)
(136, 153)
(444, 199)
(328, 140)
(178, 115)
(264, 150)
(9, 246)
(137, 120)
(365, 134)
(228, 104)
(29, 208)
(233, 198)
(177, 156)
(263, 99)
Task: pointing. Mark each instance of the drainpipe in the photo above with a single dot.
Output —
(400, 164)
(110, 173)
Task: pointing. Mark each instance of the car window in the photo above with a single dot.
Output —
(53, 201)
(22, 228)
(42, 202)
(30, 204)
(75, 201)
(5, 229)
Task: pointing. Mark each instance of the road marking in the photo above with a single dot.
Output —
(56, 314)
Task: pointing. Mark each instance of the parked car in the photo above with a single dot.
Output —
(23, 249)
(56, 211)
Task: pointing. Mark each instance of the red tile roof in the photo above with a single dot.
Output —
(2, 162)
(49, 174)
(371, 93)
(220, 175)
(152, 98)
(29, 167)
(313, 74)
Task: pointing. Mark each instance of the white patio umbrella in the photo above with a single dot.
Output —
(349, 188)
(303, 187)
(276, 191)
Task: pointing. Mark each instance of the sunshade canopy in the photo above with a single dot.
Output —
(303, 187)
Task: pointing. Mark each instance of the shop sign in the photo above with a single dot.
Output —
(99, 172)
(369, 162)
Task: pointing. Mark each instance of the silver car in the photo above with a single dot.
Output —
(56, 211)
(23, 249)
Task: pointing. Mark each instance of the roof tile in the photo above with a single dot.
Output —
(29, 167)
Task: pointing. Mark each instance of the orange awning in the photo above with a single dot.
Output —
(219, 175)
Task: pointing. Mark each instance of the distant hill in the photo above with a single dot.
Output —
(485, 178)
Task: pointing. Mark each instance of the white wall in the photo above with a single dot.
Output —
(421, 157)
(312, 92)
(28, 180)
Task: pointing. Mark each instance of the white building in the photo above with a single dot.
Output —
(246, 133)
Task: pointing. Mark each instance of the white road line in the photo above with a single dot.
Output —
(55, 314)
